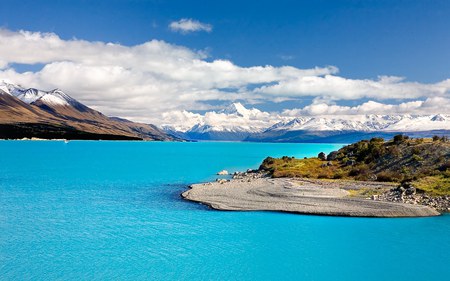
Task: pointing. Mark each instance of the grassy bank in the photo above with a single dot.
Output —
(423, 162)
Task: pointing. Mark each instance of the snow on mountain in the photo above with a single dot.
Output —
(236, 118)
(439, 117)
(362, 123)
(238, 109)
(4, 89)
(31, 95)
(421, 123)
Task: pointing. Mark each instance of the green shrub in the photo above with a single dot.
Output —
(400, 138)
(389, 176)
(417, 158)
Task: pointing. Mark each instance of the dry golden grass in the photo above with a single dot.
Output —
(306, 168)
(434, 185)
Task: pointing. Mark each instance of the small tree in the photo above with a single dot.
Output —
(436, 138)
(322, 156)
(400, 138)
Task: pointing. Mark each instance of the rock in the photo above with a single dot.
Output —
(350, 163)
(223, 173)
(221, 181)
(332, 156)
(322, 156)
(329, 163)
(410, 191)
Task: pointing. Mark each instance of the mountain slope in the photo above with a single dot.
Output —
(54, 114)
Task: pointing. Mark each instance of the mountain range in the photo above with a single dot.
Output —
(241, 124)
(29, 112)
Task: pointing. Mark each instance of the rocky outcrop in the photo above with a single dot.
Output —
(407, 193)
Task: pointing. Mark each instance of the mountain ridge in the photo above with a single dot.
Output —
(235, 122)
(52, 114)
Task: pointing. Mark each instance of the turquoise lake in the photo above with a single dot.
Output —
(97, 210)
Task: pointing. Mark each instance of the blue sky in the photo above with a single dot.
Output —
(363, 39)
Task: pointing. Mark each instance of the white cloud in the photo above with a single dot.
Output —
(189, 25)
(143, 81)
(432, 105)
(235, 116)
(340, 88)
(370, 115)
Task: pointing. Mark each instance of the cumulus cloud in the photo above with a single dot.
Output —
(432, 105)
(369, 114)
(185, 26)
(143, 81)
(233, 117)
(340, 88)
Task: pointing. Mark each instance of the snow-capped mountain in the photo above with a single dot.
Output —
(29, 112)
(32, 95)
(236, 122)
(363, 123)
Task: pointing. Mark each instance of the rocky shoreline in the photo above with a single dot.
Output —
(255, 190)
(410, 196)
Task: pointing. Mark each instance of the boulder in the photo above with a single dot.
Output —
(221, 181)
(332, 156)
(223, 173)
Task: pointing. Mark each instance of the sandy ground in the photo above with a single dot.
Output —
(317, 197)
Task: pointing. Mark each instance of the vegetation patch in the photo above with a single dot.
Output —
(434, 185)
(424, 162)
(365, 192)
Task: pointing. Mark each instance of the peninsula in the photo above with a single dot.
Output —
(398, 178)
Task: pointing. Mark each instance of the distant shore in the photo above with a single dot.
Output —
(255, 192)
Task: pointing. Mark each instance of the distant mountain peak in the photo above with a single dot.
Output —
(239, 109)
(235, 108)
(439, 117)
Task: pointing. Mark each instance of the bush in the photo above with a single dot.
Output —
(360, 170)
(417, 158)
(400, 138)
(376, 140)
(416, 150)
(444, 167)
(389, 176)
(287, 158)
(345, 160)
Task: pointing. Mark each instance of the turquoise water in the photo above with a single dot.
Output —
(112, 210)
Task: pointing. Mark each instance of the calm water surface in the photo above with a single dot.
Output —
(112, 210)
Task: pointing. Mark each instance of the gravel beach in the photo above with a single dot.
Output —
(315, 197)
